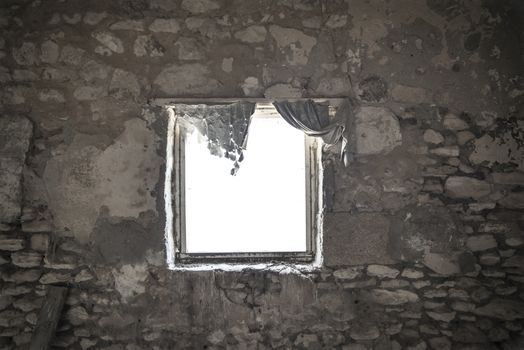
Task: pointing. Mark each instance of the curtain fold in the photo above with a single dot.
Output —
(313, 119)
(225, 126)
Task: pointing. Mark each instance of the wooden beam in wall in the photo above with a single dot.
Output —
(48, 318)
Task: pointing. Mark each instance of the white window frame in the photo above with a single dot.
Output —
(177, 257)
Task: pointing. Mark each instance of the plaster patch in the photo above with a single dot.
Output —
(83, 179)
(295, 44)
(129, 280)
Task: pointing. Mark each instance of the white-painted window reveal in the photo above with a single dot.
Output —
(260, 209)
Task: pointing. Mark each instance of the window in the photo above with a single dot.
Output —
(268, 211)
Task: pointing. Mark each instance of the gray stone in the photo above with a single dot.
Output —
(283, 91)
(514, 261)
(514, 200)
(395, 297)
(505, 290)
(364, 332)
(25, 55)
(382, 271)
(5, 301)
(200, 6)
(442, 264)
(466, 187)
(89, 93)
(186, 79)
(77, 315)
(360, 284)
(93, 70)
(462, 306)
(130, 24)
(452, 122)
(503, 309)
(367, 234)
(124, 85)
(440, 343)
(294, 44)
(412, 273)
(468, 333)
(71, 55)
(481, 294)
(441, 316)
(252, 34)
(49, 52)
(165, 25)
(27, 304)
(146, 45)
(336, 21)
(432, 136)
(15, 135)
(23, 276)
(514, 241)
(416, 228)
(513, 178)
(394, 284)
(51, 95)
(347, 273)
(489, 259)
(26, 259)
(481, 242)
(189, 49)
(336, 86)
(498, 334)
(464, 136)
(55, 277)
(449, 151)
(11, 244)
(227, 64)
(377, 131)
(109, 41)
(251, 86)
(373, 89)
(502, 149)
(93, 18)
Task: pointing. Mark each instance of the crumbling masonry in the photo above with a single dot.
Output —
(423, 230)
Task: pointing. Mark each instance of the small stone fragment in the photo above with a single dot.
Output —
(200, 6)
(412, 273)
(449, 151)
(124, 85)
(432, 136)
(26, 259)
(397, 297)
(109, 41)
(347, 274)
(131, 24)
(382, 271)
(89, 93)
(25, 55)
(49, 52)
(481, 242)
(71, 55)
(466, 187)
(252, 34)
(364, 332)
(165, 25)
(452, 122)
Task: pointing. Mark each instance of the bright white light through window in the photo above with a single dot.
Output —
(262, 208)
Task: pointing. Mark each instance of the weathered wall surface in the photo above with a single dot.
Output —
(423, 232)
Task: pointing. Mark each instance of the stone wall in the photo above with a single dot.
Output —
(423, 231)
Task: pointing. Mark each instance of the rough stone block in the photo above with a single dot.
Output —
(15, 135)
(377, 131)
(356, 239)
